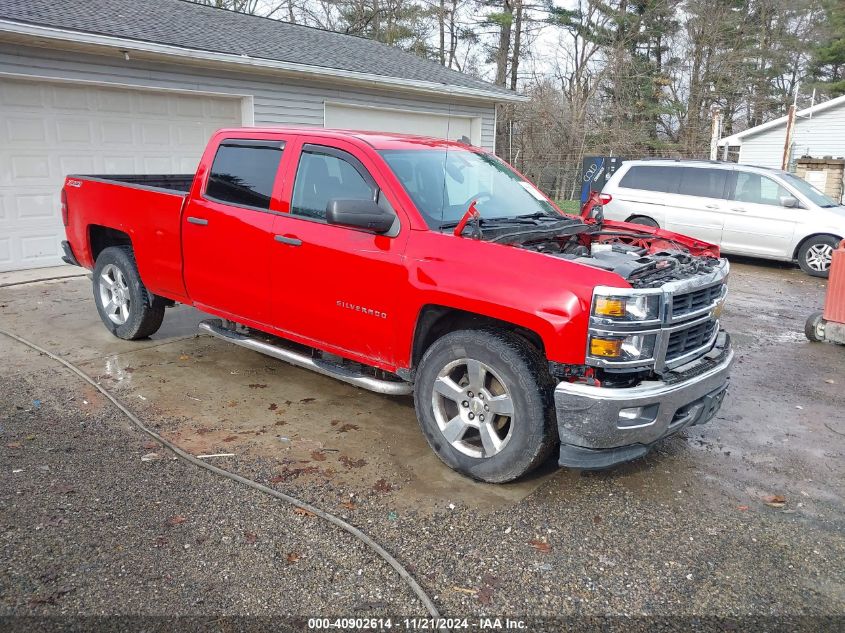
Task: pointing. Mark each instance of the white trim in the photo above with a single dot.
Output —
(247, 101)
(121, 45)
(819, 107)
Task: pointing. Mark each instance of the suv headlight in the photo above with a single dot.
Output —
(632, 347)
(640, 307)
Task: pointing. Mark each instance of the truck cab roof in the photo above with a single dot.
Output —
(377, 140)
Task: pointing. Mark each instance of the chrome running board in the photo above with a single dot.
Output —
(389, 387)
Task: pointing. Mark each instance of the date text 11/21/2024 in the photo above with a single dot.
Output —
(416, 624)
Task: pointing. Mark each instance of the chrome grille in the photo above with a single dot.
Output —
(688, 340)
(688, 303)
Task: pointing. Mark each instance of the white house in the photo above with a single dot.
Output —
(123, 87)
(819, 132)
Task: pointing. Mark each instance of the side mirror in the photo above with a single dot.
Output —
(789, 202)
(359, 214)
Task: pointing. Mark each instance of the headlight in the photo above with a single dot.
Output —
(623, 348)
(627, 308)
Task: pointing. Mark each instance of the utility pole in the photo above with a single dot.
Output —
(787, 145)
(715, 130)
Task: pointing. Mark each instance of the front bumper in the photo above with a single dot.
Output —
(600, 427)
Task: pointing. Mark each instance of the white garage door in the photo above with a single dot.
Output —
(350, 117)
(49, 130)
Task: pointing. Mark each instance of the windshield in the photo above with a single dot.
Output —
(815, 196)
(443, 183)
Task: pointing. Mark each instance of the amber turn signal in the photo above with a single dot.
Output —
(610, 306)
(606, 347)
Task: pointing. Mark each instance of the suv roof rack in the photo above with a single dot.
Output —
(686, 160)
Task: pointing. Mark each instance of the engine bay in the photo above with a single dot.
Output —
(645, 259)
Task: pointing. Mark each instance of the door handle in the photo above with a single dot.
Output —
(711, 206)
(290, 241)
(739, 210)
(200, 221)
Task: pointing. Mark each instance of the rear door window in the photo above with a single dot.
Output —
(243, 172)
(660, 178)
(703, 182)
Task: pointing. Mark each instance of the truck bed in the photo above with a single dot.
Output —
(146, 208)
(179, 183)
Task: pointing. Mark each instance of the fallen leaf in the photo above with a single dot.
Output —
(176, 520)
(161, 541)
(148, 446)
(348, 427)
(231, 438)
(382, 486)
(540, 546)
(232, 403)
(14, 445)
(742, 508)
(30, 438)
(349, 505)
(184, 357)
(250, 537)
(318, 456)
(292, 557)
(303, 512)
(307, 400)
(597, 519)
(273, 406)
(485, 595)
(352, 463)
(150, 457)
(203, 430)
(256, 385)
(465, 590)
(775, 501)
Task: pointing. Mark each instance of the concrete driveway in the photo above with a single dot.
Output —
(742, 517)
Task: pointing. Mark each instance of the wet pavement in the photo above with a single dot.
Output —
(743, 516)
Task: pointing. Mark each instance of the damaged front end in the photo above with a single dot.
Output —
(656, 358)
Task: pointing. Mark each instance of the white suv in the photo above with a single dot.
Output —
(746, 210)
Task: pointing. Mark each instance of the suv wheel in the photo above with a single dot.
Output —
(644, 220)
(126, 307)
(483, 401)
(815, 255)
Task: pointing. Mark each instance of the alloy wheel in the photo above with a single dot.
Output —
(473, 408)
(114, 294)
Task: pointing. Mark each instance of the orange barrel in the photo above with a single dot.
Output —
(834, 304)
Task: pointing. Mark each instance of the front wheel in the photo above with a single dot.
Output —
(484, 402)
(126, 307)
(816, 253)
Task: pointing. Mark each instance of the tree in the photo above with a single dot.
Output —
(828, 63)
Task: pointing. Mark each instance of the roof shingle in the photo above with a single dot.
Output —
(188, 25)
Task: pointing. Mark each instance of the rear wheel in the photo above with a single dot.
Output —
(483, 401)
(815, 255)
(644, 220)
(126, 307)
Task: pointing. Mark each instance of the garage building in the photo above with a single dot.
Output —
(120, 86)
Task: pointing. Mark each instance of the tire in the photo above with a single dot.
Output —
(510, 370)
(126, 307)
(815, 255)
(644, 220)
(814, 328)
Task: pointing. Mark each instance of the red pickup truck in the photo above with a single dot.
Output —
(406, 264)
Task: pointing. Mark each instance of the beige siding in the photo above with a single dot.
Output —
(276, 101)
